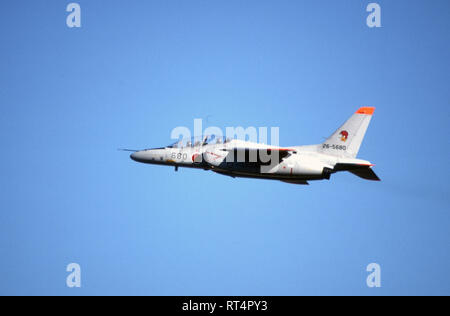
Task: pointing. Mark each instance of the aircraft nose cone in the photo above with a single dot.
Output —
(137, 156)
(146, 156)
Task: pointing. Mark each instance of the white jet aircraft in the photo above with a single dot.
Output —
(295, 164)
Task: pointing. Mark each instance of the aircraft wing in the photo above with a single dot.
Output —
(301, 182)
(261, 155)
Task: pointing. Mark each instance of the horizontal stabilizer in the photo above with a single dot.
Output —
(366, 173)
(360, 170)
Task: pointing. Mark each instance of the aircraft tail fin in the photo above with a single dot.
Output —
(347, 139)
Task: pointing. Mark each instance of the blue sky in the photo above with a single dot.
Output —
(136, 69)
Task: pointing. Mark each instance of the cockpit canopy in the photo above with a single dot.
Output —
(199, 141)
